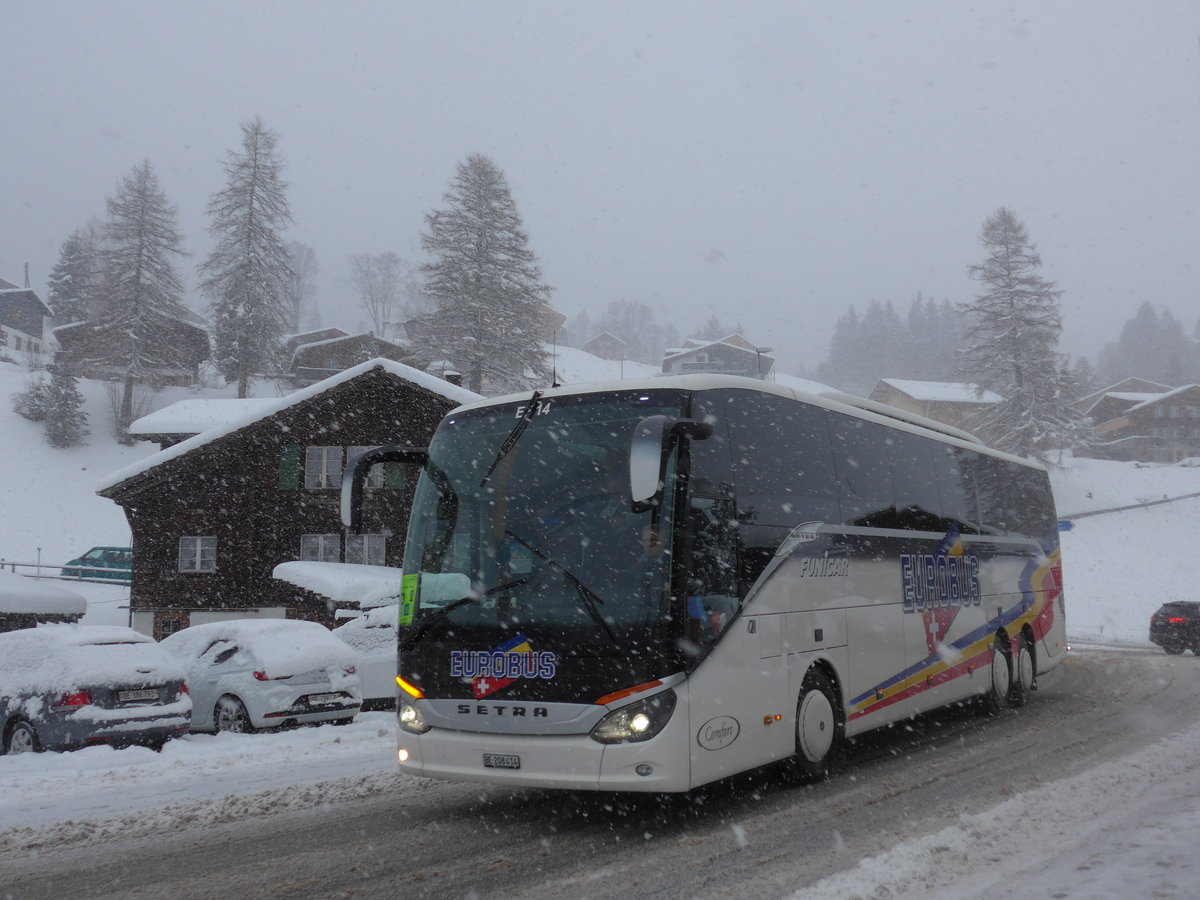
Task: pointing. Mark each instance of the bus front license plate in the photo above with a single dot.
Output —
(501, 761)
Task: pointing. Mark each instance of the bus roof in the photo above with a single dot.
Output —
(847, 404)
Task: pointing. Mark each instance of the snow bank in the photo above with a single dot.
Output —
(19, 594)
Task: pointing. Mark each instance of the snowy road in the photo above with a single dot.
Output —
(957, 807)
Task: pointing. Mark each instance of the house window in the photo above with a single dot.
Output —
(375, 475)
(366, 549)
(17, 346)
(323, 467)
(321, 547)
(197, 554)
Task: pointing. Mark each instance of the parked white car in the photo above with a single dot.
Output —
(247, 674)
(372, 637)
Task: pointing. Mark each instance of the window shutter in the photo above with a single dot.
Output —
(394, 476)
(289, 467)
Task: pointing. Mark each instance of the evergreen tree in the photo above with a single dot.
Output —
(247, 275)
(301, 287)
(1013, 330)
(1153, 345)
(141, 296)
(73, 280)
(33, 402)
(485, 282)
(66, 422)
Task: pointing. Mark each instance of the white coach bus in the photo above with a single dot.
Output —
(648, 585)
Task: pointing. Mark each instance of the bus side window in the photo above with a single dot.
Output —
(914, 479)
(864, 472)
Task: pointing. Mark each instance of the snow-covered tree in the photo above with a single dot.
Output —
(1153, 344)
(634, 323)
(246, 276)
(140, 300)
(1013, 329)
(381, 280)
(302, 287)
(486, 283)
(66, 422)
(73, 281)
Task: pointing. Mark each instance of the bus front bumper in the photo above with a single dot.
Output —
(569, 762)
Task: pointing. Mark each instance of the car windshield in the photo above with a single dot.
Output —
(550, 538)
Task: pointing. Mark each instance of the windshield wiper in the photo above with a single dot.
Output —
(513, 437)
(442, 611)
(589, 598)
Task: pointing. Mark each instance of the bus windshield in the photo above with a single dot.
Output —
(547, 545)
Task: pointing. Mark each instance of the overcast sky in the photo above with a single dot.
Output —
(769, 163)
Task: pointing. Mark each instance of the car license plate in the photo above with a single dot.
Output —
(501, 761)
(128, 696)
(324, 698)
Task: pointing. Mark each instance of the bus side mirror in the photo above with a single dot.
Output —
(653, 438)
(354, 476)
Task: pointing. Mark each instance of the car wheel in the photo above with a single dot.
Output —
(1173, 649)
(230, 715)
(820, 726)
(1022, 673)
(345, 721)
(22, 738)
(996, 698)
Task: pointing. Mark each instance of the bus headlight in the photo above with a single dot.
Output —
(410, 718)
(639, 721)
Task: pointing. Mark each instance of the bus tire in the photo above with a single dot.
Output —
(820, 726)
(1000, 677)
(1023, 673)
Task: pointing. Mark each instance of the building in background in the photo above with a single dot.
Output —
(948, 402)
(212, 515)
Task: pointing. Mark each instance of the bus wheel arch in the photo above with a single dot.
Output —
(820, 724)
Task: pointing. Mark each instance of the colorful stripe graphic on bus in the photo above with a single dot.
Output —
(1040, 584)
(491, 670)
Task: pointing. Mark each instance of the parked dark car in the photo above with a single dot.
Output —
(68, 686)
(1176, 626)
(114, 563)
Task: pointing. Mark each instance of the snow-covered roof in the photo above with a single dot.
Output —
(19, 594)
(942, 391)
(197, 415)
(1159, 398)
(434, 385)
(344, 583)
(342, 338)
(692, 347)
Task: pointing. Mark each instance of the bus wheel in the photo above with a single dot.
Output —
(1022, 673)
(819, 727)
(996, 698)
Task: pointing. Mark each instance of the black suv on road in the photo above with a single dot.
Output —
(1176, 627)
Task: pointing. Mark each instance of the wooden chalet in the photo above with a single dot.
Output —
(1159, 426)
(606, 346)
(952, 403)
(732, 355)
(321, 356)
(178, 363)
(213, 515)
(23, 318)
